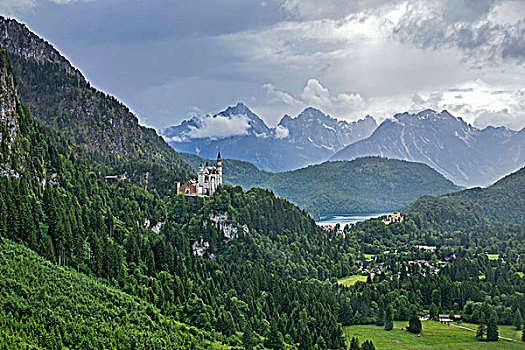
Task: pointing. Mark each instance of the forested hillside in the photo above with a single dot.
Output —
(370, 184)
(503, 202)
(103, 128)
(51, 307)
(144, 244)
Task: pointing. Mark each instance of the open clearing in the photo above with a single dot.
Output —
(434, 336)
(351, 280)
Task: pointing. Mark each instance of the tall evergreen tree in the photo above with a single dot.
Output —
(275, 337)
(480, 333)
(518, 319)
(414, 324)
(368, 345)
(247, 337)
(389, 318)
(380, 317)
(433, 312)
(492, 327)
(354, 344)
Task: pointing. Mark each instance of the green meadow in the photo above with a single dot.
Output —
(434, 336)
(351, 280)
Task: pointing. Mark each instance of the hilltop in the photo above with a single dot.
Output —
(370, 184)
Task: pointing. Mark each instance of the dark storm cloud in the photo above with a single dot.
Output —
(169, 59)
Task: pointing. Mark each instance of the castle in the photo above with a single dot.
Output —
(208, 179)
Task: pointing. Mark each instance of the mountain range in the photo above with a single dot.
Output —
(462, 153)
(364, 185)
(311, 137)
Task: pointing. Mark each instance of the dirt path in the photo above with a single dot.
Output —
(473, 330)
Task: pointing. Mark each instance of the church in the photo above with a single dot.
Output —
(208, 179)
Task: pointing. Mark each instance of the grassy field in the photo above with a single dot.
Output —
(351, 280)
(493, 256)
(434, 336)
(504, 331)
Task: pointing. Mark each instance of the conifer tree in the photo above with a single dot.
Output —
(518, 319)
(492, 327)
(380, 317)
(480, 333)
(433, 312)
(247, 337)
(389, 318)
(368, 345)
(354, 344)
(275, 337)
(414, 324)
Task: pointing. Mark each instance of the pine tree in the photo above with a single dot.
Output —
(247, 337)
(389, 318)
(492, 327)
(414, 324)
(518, 320)
(368, 345)
(434, 312)
(354, 344)
(481, 331)
(380, 317)
(275, 337)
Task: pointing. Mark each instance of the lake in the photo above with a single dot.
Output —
(343, 219)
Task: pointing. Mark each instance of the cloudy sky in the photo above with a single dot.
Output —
(169, 60)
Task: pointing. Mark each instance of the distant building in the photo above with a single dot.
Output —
(393, 217)
(426, 247)
(208, 179)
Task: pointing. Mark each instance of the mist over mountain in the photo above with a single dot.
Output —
(464, 154)
(311, 137)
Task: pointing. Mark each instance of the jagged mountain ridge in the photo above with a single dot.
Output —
(60, 97)
(309, 138)
(464, 154)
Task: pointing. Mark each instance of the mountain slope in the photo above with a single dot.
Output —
(502, 202)
(464, 154)
(310, 138)
(364, 185)
(60, 97)
(146, 245)
(46, 306)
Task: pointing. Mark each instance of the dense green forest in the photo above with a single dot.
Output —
(51, 307)
(71, 215)
(363, 185)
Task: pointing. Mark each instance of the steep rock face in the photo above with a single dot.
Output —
(310, 138)
(464, 154)
(10, 143)
(60, 97)
(314, 127)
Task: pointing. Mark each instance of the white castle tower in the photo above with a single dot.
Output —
(208, 179)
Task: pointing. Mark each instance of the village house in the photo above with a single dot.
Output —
(392, 218)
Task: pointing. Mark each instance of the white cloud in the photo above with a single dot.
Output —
(514, 121)
(217, 127)
(11, 7)
(279, 95)
(281, 132)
